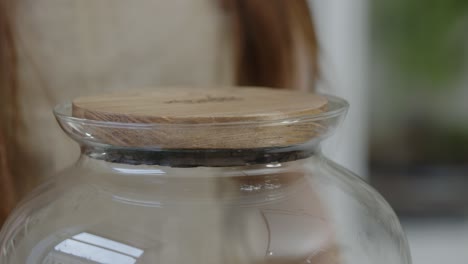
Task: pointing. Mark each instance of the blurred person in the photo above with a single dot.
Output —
(54, 50)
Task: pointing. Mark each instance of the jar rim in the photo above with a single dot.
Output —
(280, 133)
(336, 107)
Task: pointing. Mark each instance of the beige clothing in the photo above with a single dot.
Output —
(70, 48)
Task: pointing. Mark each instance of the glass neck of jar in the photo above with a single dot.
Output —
(160, 176)
(200, 157)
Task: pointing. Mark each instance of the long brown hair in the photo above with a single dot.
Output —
(9, 116)
(270, 37)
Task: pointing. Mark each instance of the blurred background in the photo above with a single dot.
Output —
(403, 65)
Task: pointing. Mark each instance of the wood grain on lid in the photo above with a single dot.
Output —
(198, 106)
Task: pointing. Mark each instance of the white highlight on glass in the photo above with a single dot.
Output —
(273, 165)
(110, 244)
(99, 249)
(140, 171)
(93, 253)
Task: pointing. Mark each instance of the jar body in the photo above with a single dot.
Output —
(303, 211)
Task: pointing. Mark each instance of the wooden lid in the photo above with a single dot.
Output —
(213, 111)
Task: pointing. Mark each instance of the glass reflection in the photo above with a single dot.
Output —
(89, 248)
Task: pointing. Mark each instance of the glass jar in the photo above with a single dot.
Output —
(203, 177)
